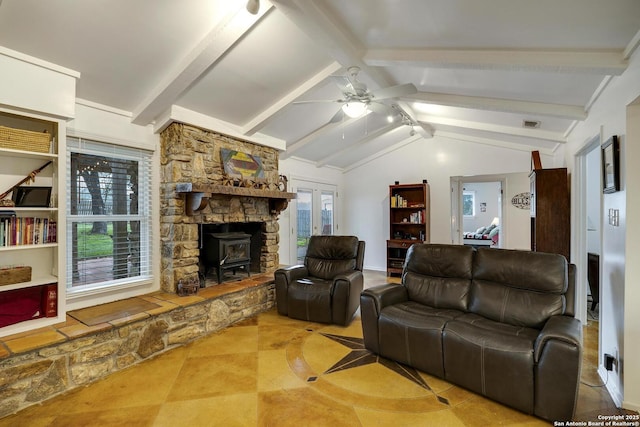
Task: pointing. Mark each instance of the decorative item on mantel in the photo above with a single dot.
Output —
(244, 177)
(188, 287)
(243, 170)
(282, 183)
(243, 165)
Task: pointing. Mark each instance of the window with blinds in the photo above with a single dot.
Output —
(108, 215)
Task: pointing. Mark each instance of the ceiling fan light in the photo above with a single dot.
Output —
(253, 6)
(354, 109)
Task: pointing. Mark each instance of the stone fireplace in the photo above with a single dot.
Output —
(193, 198)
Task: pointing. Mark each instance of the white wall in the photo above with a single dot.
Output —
(437, 159)
(619, 316)
(631, 333)
(594, 171)
(111, 125)
(516, 221)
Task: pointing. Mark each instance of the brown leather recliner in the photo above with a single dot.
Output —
(326, 289)
(497, 322)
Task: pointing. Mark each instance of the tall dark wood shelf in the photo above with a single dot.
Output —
(409, 219)
(550, 211)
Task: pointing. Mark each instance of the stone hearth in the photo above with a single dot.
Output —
(191, 159)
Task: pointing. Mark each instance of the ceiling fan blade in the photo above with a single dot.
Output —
(394, 91)
(337, 117)
(343, 84)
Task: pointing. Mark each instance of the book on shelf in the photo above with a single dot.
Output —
(18, 231)
(50, 300)
(397, 201)
(416, 217)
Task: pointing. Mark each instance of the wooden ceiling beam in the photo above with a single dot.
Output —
(572, 112)
(210, 50)
(604, 62)
(262, 119)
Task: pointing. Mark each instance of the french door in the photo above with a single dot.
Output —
(315, 206)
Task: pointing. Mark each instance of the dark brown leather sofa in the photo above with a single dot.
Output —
(327, 287)
(497, 322)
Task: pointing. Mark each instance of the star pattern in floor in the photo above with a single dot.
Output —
(360, 356)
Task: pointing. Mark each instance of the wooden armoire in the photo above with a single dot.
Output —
(550, 211)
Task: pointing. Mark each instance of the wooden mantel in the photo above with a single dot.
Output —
(197, 196)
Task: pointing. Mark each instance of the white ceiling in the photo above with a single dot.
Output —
(480, 67)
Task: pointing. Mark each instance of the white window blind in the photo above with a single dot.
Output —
(108, 215)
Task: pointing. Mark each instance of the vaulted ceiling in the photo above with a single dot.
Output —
(480, 68)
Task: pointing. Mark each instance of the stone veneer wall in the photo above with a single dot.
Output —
(192, 155)
(37, 375)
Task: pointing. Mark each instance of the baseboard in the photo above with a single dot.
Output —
(631, 406)
(612, 388)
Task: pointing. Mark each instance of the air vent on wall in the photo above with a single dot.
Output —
(531, 124)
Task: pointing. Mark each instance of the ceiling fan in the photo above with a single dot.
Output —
(357, 99)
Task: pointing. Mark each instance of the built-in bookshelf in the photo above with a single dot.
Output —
(409, 219)
(29, 247)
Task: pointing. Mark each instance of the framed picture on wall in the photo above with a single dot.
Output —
(611, 165)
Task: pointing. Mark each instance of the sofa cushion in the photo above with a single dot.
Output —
(330, 255)
(310, 299)
(412, 334)
(492, 359)
(520, 288)
(531, 334)
(439, 275)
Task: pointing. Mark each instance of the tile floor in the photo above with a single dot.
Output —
(274, 371)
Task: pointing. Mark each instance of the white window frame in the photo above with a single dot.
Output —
(473, 203)
(100, 292)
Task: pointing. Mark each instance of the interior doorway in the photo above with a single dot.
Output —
(477, 211)
(587, 250)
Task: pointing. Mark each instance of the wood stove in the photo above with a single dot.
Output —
(227, 251)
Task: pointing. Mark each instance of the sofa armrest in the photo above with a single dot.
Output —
(563, 328)
(558, 361)
(283, 278)
(291, 274)
(346, 296)
(384, 295)
(372, 301)
(349, 276)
